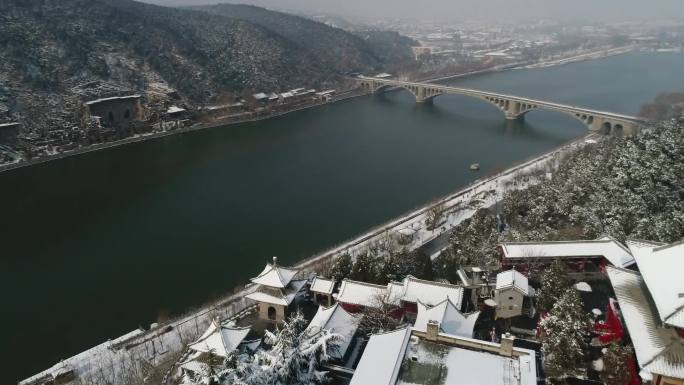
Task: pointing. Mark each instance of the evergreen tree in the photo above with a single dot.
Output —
(365, 269)
(554, 283)
(565, 332)
(615, 370)
(341, 268)
(294, 358)
(424, 266)
(390, 270)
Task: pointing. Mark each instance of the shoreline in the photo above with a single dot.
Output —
(345, 95)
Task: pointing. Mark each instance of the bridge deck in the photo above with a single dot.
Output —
(521, 99)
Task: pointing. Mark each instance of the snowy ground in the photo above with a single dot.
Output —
(116, 361)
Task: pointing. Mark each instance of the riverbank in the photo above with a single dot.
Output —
(115, 360)
(156, 135)
(593, 55)
(345, 95)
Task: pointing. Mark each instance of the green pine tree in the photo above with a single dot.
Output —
(554, 283)
(341, 268)
(615, 371)
(566, 330)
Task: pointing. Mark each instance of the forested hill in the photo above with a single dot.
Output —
(334, 47)
(52, 46)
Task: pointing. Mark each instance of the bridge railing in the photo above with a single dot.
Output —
(522, 99)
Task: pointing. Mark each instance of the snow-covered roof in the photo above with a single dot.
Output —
(382, 358)
(606, 247)
(406, 231)
(174, 109)
(451, 320)
(395, 291)
(428, 292)
(260, 96)
(662, 269)
(361, 293)
(12, 124)
(512, 279)
(275, 276)
(336, 320)
(277, 296)
(322, 285)
(129, 97)
(659, 350)
(465, 361)
(463, 277)
(220, 340)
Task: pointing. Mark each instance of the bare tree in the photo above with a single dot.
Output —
(381, 317)
(435, 215)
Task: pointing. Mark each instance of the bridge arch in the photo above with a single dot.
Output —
(513, 107)
(587, 119)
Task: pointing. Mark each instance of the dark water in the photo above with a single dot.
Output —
(95, 245)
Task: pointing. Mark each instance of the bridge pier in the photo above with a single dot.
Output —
(513, 107)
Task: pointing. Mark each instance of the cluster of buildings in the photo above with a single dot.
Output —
(436, 343)
(439, 343)
(293, 96)
(119, 117)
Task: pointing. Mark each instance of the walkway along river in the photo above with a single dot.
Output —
(93, 246)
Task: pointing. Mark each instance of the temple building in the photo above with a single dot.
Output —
(412, 357)
(339, 321)
(322, 290)
(411, 290)
(355, 295)
(449, 318)
(510, 294)
(276, 290)
(651, 303)
(405, 294)
(219, 340)
(116, 112)
(579, 256)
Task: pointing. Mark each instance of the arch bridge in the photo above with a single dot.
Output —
(514, 107)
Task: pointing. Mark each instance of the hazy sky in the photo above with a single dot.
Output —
(577, 10)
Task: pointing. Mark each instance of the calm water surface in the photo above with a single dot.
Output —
(95, 245)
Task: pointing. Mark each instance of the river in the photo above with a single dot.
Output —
(92, 246)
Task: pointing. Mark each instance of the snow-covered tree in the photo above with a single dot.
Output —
(294, 358)
(366, 268)
(615, 370)
(423, 268)
(565, 333)
(554, 282)
(435, 216)
(341, 267)
(622, 187)
(380, 318)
